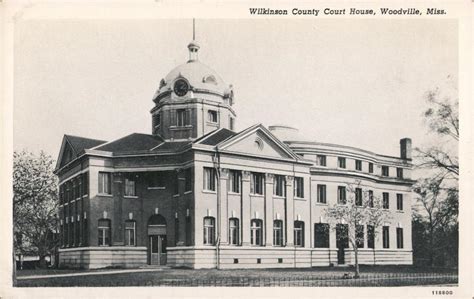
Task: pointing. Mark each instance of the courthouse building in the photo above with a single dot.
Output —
(198, 193)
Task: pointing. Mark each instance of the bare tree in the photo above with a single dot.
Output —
(360, 208)
(442, 117)
(35, 203)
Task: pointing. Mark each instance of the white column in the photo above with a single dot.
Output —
(245, 208)
(290, 217)
(269, 209)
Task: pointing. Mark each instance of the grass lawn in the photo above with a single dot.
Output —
(370, 276)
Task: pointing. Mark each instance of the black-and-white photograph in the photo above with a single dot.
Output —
(249, 152)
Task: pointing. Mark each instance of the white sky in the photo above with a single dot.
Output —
(352, 82)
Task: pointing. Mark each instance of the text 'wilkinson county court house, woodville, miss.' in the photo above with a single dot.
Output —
(196, 193)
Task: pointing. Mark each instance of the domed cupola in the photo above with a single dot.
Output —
(192, 100)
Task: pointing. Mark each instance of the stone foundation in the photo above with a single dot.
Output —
(102, 257)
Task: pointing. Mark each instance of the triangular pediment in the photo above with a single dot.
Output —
(66, 154)
(257, 141)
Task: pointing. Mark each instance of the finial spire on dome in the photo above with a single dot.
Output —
(193, 46)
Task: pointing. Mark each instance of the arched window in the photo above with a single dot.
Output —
(277, 233)
(104, 232)
(299, 234)
(234, 231)
(256, 236)
(209, 230)
(130, 233)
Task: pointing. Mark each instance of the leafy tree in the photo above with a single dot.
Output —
(35, 203)
(359, 208)
(435, 218)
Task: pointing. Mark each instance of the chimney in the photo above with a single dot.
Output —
(405, 148)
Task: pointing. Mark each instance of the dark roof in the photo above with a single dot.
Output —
(79, 144)
(132, 142)
(216, 137)
(171, 146)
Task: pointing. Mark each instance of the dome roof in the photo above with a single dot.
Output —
(199, 76)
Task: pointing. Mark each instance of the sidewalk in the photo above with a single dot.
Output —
(90, 273)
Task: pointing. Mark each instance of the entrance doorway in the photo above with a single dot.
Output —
(157, 240)
(342, 242)
(157, 249)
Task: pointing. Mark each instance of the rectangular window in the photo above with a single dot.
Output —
(256, 236)
(130, 188)
(299, 187)
(212, 116)
(130, 233)
(385, 200)
(358, 196)
(231, 123)
(235, 180)
(256, 183)
(298, 234)
(277, 233)
(188, 231)
(156, 120)
(399, 237)
(181, 118)
(176, 183)
(341, 162)
(370, 236)
(371, 167)
(77, 234)
(105, 183)
(321, 197)
(85, 233)
(176, 231)
(104, 232)
(385, 171)
(341, 195)
(358, 164)
(400, 202)
(209, 230)
(209, 179)
(321, 160)
(321, 235)
(385, 237)
(371, 198)
(399, 173)
(279, 185)
(188, 185)
(359, 236)
(234, 231)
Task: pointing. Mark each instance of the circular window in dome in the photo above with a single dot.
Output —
(259, 143)
(181, 87)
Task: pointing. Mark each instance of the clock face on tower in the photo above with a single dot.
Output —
(181, 87)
